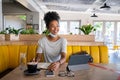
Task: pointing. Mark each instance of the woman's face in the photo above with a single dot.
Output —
(54, 27)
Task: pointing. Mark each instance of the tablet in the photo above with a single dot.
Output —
(78, 62)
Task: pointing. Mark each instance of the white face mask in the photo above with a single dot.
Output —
(52, 35)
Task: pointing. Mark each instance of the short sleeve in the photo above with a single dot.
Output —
(40, 46)
(64, 46)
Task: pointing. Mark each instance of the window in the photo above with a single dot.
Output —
(99, 29)
(43, 26)
(108, 32)
(17, 22)
(118, 31)
(66, 26)
(63, 27)
(73, 26)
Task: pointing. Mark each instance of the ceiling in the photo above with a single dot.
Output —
(81, 5)
(73, 5)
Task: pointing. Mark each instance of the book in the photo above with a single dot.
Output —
(43, 65)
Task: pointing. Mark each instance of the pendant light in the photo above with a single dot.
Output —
(105, 6)
(94, 15)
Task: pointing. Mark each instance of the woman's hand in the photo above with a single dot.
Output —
(54, 66)
(33, 60)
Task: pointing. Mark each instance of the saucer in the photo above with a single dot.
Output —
(34, 73)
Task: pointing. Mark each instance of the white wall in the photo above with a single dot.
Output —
(14, 21)
(33, 18)
(40, 22)
(14, 8)
(1, 22)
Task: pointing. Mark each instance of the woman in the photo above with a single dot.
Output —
(52, 46)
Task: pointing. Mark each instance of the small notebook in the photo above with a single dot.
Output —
(43, 65)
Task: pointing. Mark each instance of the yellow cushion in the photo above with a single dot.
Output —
(116, 47)
(94, 52)
(23, 48)
(103, 54)
(76, 49)
(31, 52)
(69, 52)
(4, 58)
(13, 56)
(85, 48)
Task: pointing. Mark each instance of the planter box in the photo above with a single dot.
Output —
(2, 37)
(70, 38)
(29, 37)
(11, 37)
(79, 38)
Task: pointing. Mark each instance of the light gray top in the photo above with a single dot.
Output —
(51, 49)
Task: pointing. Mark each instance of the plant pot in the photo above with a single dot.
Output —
(11, 37)
(79, 38)
(2, 37)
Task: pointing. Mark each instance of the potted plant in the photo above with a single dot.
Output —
(29, 34)
(2, 35)
(11, 33)
(28, 31)
(87, 29)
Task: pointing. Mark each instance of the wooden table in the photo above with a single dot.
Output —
(96, 72)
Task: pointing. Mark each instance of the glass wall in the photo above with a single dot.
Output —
(63, 27)
(99, 31)
(108, 32)
(66, 26)
(118, 31)
(73, 27)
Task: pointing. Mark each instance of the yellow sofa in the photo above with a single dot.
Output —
(116, 47)
(9, 54)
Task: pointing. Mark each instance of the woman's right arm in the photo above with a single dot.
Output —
(38, 57)
(39, 51)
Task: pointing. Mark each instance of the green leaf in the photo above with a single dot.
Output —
(87, 29)
(46, 32)
(28, 31)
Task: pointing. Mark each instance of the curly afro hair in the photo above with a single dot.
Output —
(50, 16)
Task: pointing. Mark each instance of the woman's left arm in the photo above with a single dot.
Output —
(55, 65)
(63, 52)
(63, 58)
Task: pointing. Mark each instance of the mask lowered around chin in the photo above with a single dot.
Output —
(52, 35)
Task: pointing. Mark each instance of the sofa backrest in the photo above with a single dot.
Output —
(99, 53)
(9, 54)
